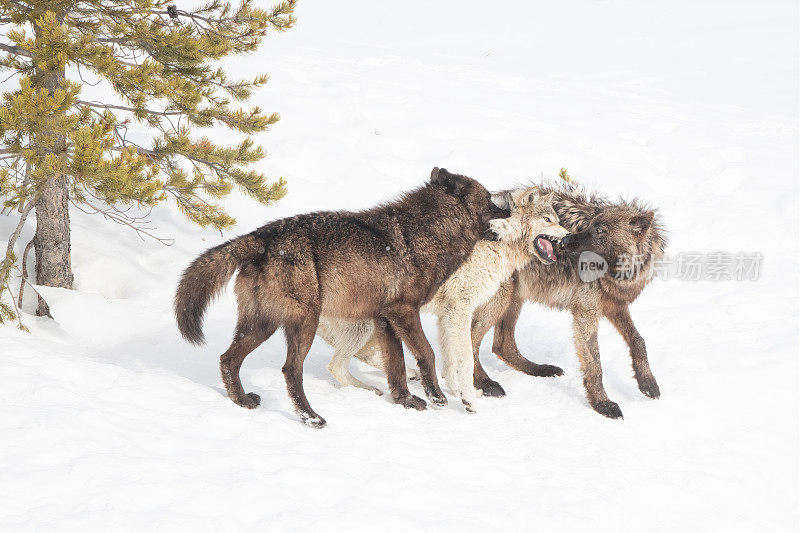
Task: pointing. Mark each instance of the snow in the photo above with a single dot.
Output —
(110, 421)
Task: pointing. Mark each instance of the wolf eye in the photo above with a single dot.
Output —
(547, 219)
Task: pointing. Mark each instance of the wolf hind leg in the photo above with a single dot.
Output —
(346, 338)
(620, 317)
(299, 336)
(371, 354)
(249, 335)
(338, 367)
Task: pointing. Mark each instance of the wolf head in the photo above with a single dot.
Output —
(532, 220)
(620, 234)
(471, 194)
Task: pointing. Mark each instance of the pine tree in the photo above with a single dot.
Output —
(160, 64)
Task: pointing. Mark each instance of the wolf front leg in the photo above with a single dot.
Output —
(404, 320)
(393, 363)
(584, 323)
(480, 379)
(456, 344)
(620, 317)
(505, 344)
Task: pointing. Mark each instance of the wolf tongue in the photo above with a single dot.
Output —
(546, 246)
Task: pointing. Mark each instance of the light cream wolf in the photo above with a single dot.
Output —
(532, 230)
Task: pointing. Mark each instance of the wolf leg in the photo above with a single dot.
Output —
(485, 317)
(299, 336)
(505, 345)
(405, 321)
(371, 354)
(246, 339)
(480, 379)
(456, 345)
(620, 317)
(584, 323)
(346, 338)
(393, 362)
(338, 367)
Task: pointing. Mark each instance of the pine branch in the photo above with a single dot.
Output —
(119, 217)
(99, 105)
(16, 50)
(24, 275)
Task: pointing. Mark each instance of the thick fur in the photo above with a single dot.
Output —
(612, 230)
(625, 227)
(380, 264)
(473, 284)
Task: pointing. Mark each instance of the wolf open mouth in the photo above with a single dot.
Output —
(545, 247)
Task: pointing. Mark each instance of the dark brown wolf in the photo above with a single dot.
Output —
(382, 264)
(629, 237)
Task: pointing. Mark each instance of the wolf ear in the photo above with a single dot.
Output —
(640, 223)
(503, 200)
(453, 183)
(531, 195)
(548, 198)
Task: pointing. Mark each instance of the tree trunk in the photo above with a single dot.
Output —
(52, 240)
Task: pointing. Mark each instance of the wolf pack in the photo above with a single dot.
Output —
(472, 258)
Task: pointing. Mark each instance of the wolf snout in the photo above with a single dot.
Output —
(571, 243)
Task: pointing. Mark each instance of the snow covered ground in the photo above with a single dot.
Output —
(109, 421)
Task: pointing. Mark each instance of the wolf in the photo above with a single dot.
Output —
(631, 239)
(380, 264)
(531, 232)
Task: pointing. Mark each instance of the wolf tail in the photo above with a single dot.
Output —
(205, 277)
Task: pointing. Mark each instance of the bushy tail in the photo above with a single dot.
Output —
(204, 279)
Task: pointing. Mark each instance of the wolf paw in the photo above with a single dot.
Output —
(468, 407)
(251, 400)
(649, 387)
(608, 409)
(491, 388)
(437, 398)
(313, 421)
(544, 371)
(413, 402)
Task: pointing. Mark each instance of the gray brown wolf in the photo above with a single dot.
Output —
(532, 231)
(379, 264)
(616, 231)
(631, 239)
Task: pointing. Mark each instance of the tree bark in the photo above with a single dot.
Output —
(52, 240)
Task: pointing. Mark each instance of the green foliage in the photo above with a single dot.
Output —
(564, 176)
(161, 65)
(8, 312)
